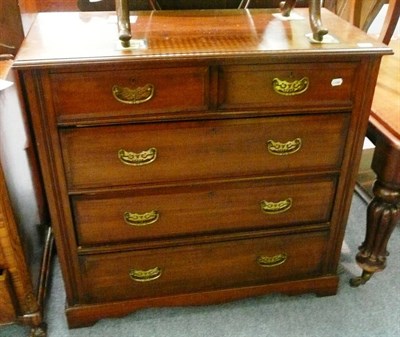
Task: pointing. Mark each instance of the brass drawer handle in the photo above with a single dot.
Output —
(282, 149)
(140, 220)
(270, 207)
(137, 159)
(286, 88)
(272, 261)
(145, 275)
(133, 95)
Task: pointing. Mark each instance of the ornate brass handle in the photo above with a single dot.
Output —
(133, 95)
(145, 275)
(282, 149)
(286, 88)
(272, 261)
(140, 220)
(270, 207)
(137, 159)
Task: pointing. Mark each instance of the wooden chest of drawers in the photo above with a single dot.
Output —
(214, 161)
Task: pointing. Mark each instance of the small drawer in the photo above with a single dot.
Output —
(136, 93)
(279, 86)
(206, 209)
(170, 152)
(163, 272)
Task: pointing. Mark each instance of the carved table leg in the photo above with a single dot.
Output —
(382, 215)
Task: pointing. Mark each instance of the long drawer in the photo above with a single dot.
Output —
(162, 272)
(204, 209)
(168, 152)
(300, 85)
(135, 92)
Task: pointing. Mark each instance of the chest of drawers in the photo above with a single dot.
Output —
(214, 161)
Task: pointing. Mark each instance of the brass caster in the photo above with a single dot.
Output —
(39, 331)
(360, 280)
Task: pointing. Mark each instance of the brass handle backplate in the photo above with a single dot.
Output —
(140, 220)
(282, 149)
(145, 275)
(137, 159)
(133, 95)
(287, 88)
(270, 207)
(272, 261)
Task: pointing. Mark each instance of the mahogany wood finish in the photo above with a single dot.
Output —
(234, 138)
(197, 211)
(56, 5)
(122, 8)
(241, 188)
(384, 131)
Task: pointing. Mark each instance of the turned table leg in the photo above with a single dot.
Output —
(382, 215)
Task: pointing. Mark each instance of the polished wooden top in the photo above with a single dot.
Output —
(79, 37)
(385, 111)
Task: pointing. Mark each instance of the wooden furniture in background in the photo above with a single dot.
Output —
(214, 160)
(25, 238)
(361, 13)
(24, 257)
(384, 132)
(11, 30)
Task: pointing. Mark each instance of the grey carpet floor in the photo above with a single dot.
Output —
(372, 310)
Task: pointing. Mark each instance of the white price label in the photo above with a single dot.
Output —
(337, 82)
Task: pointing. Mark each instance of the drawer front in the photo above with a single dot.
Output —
(162, 272)
(308, 85)
(205, 209)
(129, 92)
(168, 152)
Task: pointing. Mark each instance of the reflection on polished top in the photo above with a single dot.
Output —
(87, 36)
